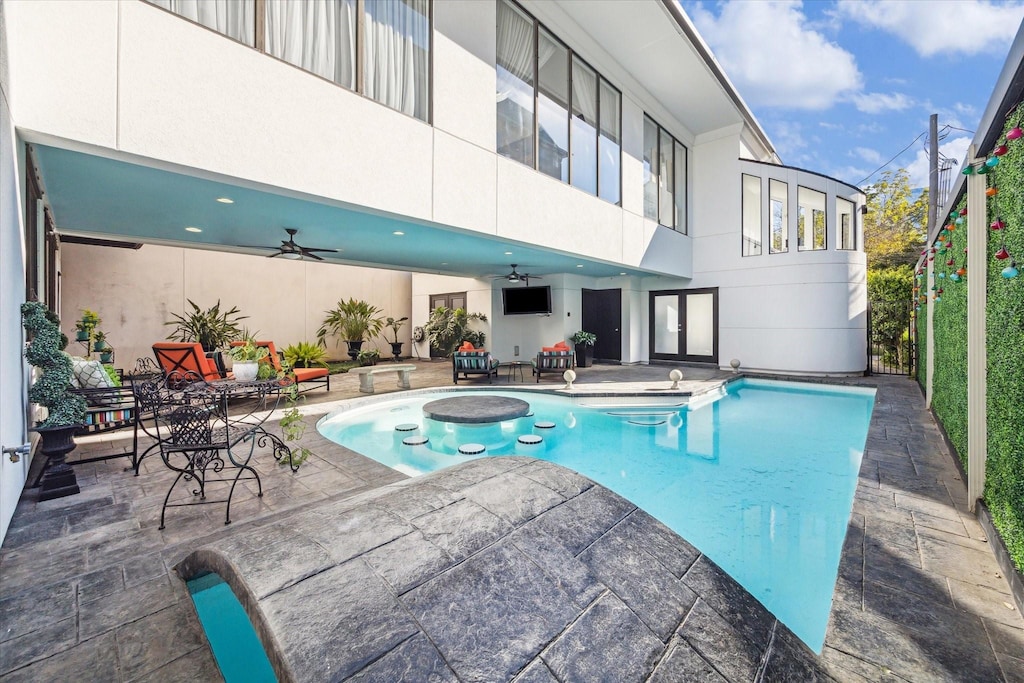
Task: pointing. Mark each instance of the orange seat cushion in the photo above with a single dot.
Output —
(561, 345)
(467, 346)
(306, 374)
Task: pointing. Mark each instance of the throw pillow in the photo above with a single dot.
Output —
(91, 375)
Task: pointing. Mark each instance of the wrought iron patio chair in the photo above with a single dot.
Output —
(199, 443)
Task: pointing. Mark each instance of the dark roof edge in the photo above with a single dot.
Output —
(806, 170)
(690, 31)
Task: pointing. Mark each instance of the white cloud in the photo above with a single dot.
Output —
(951, 26)
(872, 156)
(788, 137)
(850, 174)
(955, 149)
(797, 68)
(877, 103)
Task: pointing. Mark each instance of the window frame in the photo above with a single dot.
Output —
(743, 215)
(839, 225)
(824, 213)
(785, 217)
(572, 57)
(656, 173)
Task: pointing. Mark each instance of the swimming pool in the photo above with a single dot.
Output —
(760, 477)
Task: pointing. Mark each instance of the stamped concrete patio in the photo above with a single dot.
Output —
(88, 587)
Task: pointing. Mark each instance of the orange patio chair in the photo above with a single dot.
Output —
(185, 360)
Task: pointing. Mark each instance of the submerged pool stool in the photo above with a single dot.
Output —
(415, 441)
(407, 427)
(472, 448)
(544, 424)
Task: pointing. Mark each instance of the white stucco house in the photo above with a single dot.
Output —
(433, 144)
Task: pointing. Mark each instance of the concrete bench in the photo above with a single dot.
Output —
(366, 375)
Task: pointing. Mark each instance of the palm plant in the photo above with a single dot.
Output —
(305, 355)
(448, 327)
(352, 320)
(212, 328)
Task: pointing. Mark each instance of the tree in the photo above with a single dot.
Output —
(896, 223)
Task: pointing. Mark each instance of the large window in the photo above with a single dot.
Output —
(384, 54)
(751, 215)
(778, 200)
(577, 131)
(664, 177)
(810, 220)
(847, 228)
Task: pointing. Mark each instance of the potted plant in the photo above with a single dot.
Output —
(99, 341)
(247, 359)
(395, 326)
(305, 355)
(584, 342)
(353, 321)
(65, 410)
(368, 357)
(449, 327)
(107, 354)
(84, 327)
(212, 328)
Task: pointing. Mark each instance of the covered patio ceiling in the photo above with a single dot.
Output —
(99, 197)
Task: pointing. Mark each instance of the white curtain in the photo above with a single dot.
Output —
(584, 92)
(397, 53)
(515, 46)
(316, 35)
(234, 18)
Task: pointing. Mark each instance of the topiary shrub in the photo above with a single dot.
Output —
(50, 389)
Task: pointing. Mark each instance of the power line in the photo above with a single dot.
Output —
(894, 157)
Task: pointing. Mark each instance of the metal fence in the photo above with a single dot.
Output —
(891, 346)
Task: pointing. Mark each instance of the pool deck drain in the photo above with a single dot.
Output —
(86, 581)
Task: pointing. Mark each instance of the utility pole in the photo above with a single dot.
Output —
(933, 173)
(933, 210)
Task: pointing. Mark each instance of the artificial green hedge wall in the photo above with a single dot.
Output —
(1004, 489)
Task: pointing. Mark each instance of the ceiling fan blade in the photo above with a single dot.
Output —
(312, 256)
(307, 250)
(255, 246)
(275, 255)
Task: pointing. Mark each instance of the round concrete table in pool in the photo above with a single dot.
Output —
(475, 409)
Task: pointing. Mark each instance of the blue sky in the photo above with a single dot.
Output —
(842, 86)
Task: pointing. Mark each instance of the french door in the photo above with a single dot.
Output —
(451, 300)
(684, 325)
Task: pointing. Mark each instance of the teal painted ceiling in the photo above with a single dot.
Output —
(111, 199)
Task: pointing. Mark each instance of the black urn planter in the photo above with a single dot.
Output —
(584, 355)
(354, 347)
(59, 477)
(396, 350)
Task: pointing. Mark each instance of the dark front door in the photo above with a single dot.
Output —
(450, 300)
(684, 325)
(602, 315)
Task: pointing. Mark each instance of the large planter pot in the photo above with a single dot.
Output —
(354, 347)
(396, 350)
(584, 355)
(246, 371)
(58, 477)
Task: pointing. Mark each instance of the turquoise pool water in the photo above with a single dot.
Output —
(235, 645)
(761, 479)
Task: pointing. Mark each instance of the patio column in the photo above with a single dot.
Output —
(977, 356)
(929, 341)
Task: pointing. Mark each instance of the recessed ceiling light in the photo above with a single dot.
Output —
(579, 265)
(508, 253)
(398, 232)
(445, 263)
(225, 200)
(621, 273)
(192, 228)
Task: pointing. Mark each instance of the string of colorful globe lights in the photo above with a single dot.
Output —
(943, 245)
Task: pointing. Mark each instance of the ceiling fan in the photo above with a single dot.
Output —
(289, 249)
(516, 276)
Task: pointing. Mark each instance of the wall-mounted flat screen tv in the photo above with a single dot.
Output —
(525, 300)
